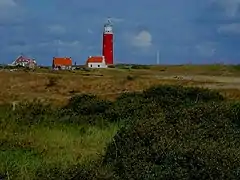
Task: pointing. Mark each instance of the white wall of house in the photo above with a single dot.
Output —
(62, 67)
(97, 65)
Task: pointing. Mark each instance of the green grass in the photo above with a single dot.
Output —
(236, 67)
(26, 150)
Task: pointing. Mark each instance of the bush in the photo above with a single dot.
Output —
(33, 112)
(130, 78)
(87, 105)
(5, 110)
(234, 112)
(85, 109)
(136, 66)
(89, 109)
(111, 66)
(198, 142)
(168, 96)
(90, 171)
(131, 105)
(128, 107)
(52, 81)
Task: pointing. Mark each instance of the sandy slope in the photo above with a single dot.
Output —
(215, 82)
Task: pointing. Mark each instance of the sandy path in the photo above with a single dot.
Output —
(215, 82)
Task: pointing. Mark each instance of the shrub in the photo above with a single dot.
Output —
(33, 112)
(125, 107)
(130, 105)
(111, 66)
(168, 96)
(234, 113)
(52, 81)
(236, 67)
(87, 105)
(197, 142)
(85, 109)
(5, 110)
(130, 78)
(140, 67)
(91, 171)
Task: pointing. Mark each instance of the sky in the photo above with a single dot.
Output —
(186, 31)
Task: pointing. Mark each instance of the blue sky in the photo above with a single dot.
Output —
(186, 31)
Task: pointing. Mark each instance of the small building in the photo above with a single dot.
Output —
(96, 62)
(62, 63)
(24, 61)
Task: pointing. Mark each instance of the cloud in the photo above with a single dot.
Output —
(206, 49)
(90, 31)
(181, 30)
(231, 7)
(7, 4)
(143, 39)
(57, 29)
(10, 12)
(233, 28)
(26, 47)
(19, 48)
(60, 43)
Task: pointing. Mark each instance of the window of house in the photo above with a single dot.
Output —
(98, 65)
(91, 65)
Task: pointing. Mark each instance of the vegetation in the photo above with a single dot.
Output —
(57, 86)
(164, 132)
(80, 125)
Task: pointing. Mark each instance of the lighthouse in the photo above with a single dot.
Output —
(107, 49)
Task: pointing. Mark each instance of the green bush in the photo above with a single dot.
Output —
(234, 112)
(5, 110)
(131, 105)
(125, 107)
(33, 112)
(130, 78)
(168, 96)
(87, 105)
(52, 81)
(137, 66)
(111, 66)
(92, 170)
(89, 109)
(236, 67)
(81, 109)
(85, 109)
(198, 142)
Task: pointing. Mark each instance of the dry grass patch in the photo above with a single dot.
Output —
(59, 86)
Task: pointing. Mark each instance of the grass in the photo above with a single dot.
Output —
(214, 69)
(59, 86)
(25, 150)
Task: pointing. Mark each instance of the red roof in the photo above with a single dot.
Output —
(62, 61)
(23, 59)
(95, 59)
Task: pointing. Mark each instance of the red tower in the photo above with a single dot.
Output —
(107, 49)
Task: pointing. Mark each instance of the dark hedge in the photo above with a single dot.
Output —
(198, 142)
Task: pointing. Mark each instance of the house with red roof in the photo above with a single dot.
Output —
(96, 62)
(24, 61)
(63, 63)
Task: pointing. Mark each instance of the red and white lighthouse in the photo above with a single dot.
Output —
(107, 49)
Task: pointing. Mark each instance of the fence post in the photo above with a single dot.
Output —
(14, 105)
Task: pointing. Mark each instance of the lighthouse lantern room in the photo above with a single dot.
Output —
(107, 49)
